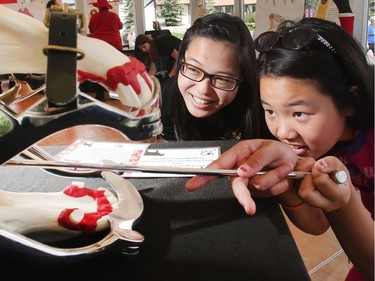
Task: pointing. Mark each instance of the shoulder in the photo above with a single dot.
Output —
(160, 38)
(167, 39)
(113, 14)
(175, 39)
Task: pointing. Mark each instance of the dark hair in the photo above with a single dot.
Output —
(242, 115)
(343, 73)
(150, 57)
(50, 3)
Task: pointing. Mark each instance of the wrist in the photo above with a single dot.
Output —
(293, 207)
(290, 200)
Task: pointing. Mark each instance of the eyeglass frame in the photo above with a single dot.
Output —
(312, 35)
(210, 76)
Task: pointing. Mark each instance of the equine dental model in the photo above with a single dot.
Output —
(23, 39)
(75, 208)
(23, 42)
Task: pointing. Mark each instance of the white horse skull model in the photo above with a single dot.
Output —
(23, 39)
(76, 207)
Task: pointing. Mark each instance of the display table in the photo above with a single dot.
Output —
(202, 235)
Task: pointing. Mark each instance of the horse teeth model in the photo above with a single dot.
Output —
(23, 39)
(76, 208)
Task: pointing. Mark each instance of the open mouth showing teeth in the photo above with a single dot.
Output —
(299, 150)
(200, 101)
(295, 147)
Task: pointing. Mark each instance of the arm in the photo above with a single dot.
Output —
(174, 55)
(120, 24)
(307, 218)
(354, 228)
(91, 25)
(251, 156)
(152, 69)
(349, 219)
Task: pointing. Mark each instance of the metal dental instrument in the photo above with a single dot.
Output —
(121, 220)
(124, 168)
(36, 152)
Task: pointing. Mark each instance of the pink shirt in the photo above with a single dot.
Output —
(358, 157)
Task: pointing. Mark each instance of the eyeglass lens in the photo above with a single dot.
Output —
(196, 74)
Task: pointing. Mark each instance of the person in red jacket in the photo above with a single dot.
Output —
(106, 25)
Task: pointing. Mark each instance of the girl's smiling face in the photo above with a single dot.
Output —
(214, 57)
(301, 116)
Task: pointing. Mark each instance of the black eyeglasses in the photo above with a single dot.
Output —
(196, 74)
(294, 39)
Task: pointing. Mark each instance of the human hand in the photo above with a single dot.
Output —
(250, 157)
(321, 190)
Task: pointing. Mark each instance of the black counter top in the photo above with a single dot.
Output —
(202, 235)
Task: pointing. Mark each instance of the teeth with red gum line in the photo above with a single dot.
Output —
(102, 63)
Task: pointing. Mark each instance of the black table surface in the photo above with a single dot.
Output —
(201, 235)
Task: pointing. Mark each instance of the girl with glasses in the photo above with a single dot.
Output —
(214, 92)
(317, 92)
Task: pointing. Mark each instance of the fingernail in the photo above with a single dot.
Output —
(323, 164)
(245, 168)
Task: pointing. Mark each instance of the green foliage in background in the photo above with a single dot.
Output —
(210, 6)
(128, 10)
(178, 35)
(250, 21)
(312, 3)
(5, 124)
(371, 8)
(171, 13)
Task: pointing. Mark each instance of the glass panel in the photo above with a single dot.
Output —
(173, 15)
(126, 13)
(371, 31)
(177, 15)
(249, 8)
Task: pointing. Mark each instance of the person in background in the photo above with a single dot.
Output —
(151, 50)
(103, 25)
(317, 91)
(106, 25)
(47, 11)
(52, 2)
(156, 25)
(371, 34)
(214, 94)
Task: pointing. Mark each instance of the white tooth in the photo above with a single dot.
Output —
(197, 100)
(76, 216)
(128, 96)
